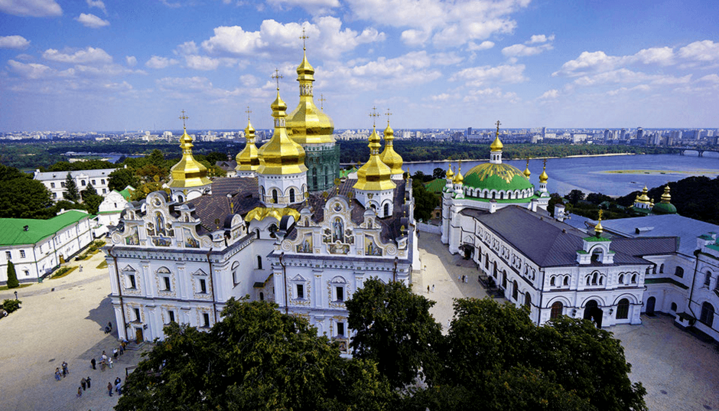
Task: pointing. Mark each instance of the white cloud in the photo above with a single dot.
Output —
(92, 21)
(248, 80)
(549, 95)
(663, 56)
(312, 6)
(14, 42)
(446, 59)
(131, 61)
(710, 78)
(471, 46)
(540, 38)
(520, 50)
(105, 70)
(201, 62)
(89, 55)
(444, 97)
(489, 94)
(36, 71)
(447, 23)
(624, 75)
(157, 62)
(97, 3)
(32, 8)
(703, 51)
(624, 90)
(588, 62)
(479, 76)
(188, 47)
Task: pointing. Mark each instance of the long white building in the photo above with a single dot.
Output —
(55, 181)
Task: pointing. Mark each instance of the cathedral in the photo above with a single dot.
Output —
(285, 229)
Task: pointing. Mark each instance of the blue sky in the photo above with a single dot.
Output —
(135, 64)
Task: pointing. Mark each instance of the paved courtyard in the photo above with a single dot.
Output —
(679, 371)
(55, 326)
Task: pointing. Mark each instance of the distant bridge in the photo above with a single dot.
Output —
(682, 151)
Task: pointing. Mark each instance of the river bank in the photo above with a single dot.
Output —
(479, 160)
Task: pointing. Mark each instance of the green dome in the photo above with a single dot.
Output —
(500, 177)
(664, 208)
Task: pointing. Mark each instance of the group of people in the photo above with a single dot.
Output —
(61, 374)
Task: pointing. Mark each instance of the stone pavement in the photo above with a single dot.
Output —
(66, 324)
(679, 371)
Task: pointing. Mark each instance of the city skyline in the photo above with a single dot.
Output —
(435, 64)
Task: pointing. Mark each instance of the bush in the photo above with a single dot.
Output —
(63, 272)
(11, 305)
(11, 276)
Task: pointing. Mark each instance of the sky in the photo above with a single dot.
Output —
(93, 65)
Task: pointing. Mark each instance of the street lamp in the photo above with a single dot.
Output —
(15, 295)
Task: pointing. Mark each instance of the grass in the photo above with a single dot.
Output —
(23, 285)
(102, 265)
(62, 272)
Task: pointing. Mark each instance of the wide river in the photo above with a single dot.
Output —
(610, 175)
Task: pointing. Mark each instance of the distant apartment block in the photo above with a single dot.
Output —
(55, 181)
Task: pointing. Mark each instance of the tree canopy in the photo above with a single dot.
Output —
(23, 197)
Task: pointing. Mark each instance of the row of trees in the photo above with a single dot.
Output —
(492, 358)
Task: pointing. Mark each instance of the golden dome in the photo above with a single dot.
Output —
(374, 175)
(248, 159)
(188, 172)
(307, 122)
(598, 229)
(544, 177)
(389, 156)
(643, 197)
(666, 197)
(449, 173)
(527, 173)
(458, 179)
(496, 144)
(281, 155)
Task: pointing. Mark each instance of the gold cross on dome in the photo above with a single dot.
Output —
(303, 37)
(248, 113)
(600, 214)
(374, 115)
(277, 76)
(183, 117)
(498, 124)
(322, 101)
(388, 113)
(545, 163)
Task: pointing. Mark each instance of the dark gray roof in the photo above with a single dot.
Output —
(550, 243)
(227, 165)
(244, 196)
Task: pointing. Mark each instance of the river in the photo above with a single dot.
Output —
(611, 175)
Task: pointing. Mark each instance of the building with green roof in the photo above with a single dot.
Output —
(36, 247)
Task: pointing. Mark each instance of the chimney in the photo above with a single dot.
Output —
(27, 227)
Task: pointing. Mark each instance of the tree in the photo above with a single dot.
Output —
(71, 193)
(424, 201)
(11, 276)
(121, 178)
(393, 327)
(24, 198)
(575, 196)
(438, 173)
(255, 358)
(91, 199)
(554, 199)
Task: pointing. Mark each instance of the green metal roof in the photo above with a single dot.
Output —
(436, 185)
(345, 173)
(127, 192)
(500, 177)
(664, 208)
(12, 230)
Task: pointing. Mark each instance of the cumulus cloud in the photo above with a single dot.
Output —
(521, 50)
(710, 78)
(540, 38)
(446, 23)
(157, 62)
(489, 94)
(248, 80)
(549, 94)
(625, 90)
(312, 6)
(89, 55)
(131, 61)
(92, 21)
(36, 71)
(624, 75)
(188, 47)
(31, 8)
(14, 42)
(703, 51)
(479, 76)
(97, 3)
(485, 45)
(205, 63)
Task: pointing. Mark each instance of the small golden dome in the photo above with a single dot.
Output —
(307, 123)
(598, 229)
(449, 173)
(666, 197)
(527, 173)
(643, 197)
(374, 175)
(188, 172)
(496, 144)
(544, 177)
(389, 156)
(281, 155)
(248, 159)
(458, 178)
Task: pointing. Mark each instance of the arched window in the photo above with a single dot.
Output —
(515, 290)
(623, 309)
(707, 278)
(259, 262)
(292, 195)
(674, 307)
(262, 296)
(654, 269)
(386, 209)
(594, 279)
(679, 272)
(566, 280)
(661, 269)
(557, 309)
(327, 176)
(504, 278)
(274, 197)
(551, 282)
(634, 279)
(314, 177)
(620, 280)
(648, 271)
(528, 301)
(707, 316)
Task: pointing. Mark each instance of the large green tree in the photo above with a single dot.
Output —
(23, 197)
(11, 276)
(257, 358)
(71, 192)
(424, 201)
(121, 178)
(91, 199)
(393, 327)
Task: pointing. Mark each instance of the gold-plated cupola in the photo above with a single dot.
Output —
(248, 159)
(308, 123)
(390, 157)
(188, 172)
(526, 172)
(458, 178)
(544, 177)
(374, 175)
(281, 155)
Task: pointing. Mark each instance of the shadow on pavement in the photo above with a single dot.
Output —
(102, 314)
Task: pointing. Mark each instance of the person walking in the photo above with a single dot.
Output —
(79, 392)
(432, 287)
(118, 389)
(109, 360)
(93, 362)
(427, 289)
(65, 371)
(114, 353)
(109, 389)
(83, 383)
(109, 325)
(57, 373)
(87, 380)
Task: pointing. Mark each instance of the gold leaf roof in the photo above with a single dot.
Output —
(496, 144)
(281, 155)
(390, 157)
(260, 213)
(308, 123)
(248, 159)
(374, 175)
(188, 172)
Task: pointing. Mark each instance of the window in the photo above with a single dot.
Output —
(340, 329)
(262, 296)
(93, 182)
(648, 271)
(486, 262)
(707, 276)
(62, 184)
(137, 315)
(566, 280)
(654, 269)
(528, 301)
(102, 181)
(386, 209)
(166, 281)
(259, 260)
(54, 195)
(707, 316)
(661, 269)
(634, 279)
(623, 309)
(679, 272)
(8, 255)
(203, 286)
(515, 290)
(274, 197)
(235, 265)
(620, 280)
(300, 291)
(83, 182)
(52, 185)
(104, 191)
(131, 278)
(292, 195)
(26, 272)
(557, 309)
(171, 315)
(340, 293)
(22, 253)
(205, 320)
(674, 307)
(551, 281)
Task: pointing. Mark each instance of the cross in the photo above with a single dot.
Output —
(498, 123)
(545, 163)
(248, 113)
(600, 214)
(388, 114)
(374, 115)
(183, 117)
(303, 38)
(277, 76)
(322, 100)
